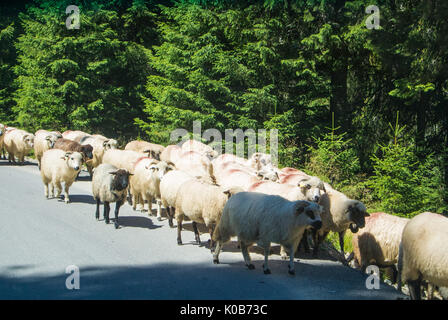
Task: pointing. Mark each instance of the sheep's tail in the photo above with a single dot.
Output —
(400, 266)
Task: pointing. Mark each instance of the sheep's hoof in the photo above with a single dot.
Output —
(216, 261)
(292, 272)
(284, 257)
(117, 226)
(107, 221)
(179, 242)
(251, 266)
(267, 271)
(159, 218)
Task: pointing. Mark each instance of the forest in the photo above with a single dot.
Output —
(365, 109)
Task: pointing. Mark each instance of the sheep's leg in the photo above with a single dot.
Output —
(217, 251)
(129, 197)
(267, 249)
(196, 233)
(134, 200)
(246, 256)
(97, 212)
(58, 188)
(211, 228)
(415, 289)
(159, 210)
(179, 229)
(291, 269)
(90, 169)
(341, 242)
(283, 253)
(46, 190)
(51, 189)
(117, 210)
(106, 211)
(170, 213)
(66, 188)
(304, 242)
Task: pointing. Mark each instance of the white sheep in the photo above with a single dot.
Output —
(4, 130)
(339, 214)
(76, 135)
(123, 158)
(309, 189)
(109, 184)
(169, 186)
(378, 242)
(44, 140)
(100, 145)
(196, 164)
(197, 146)
(423, 253)
(58, 166)
(202, 203)
(154, 150)
(257, 217)
(18, 143)
(145, 184)
(171, 154)
(237, 178)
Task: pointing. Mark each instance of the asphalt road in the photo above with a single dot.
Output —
(39, 238)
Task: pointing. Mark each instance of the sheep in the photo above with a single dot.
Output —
(202, 203)
(100, 145)
(58, 166)
(378, 242)
(197, 146)
(196, 165)
(18, 143)
(237, 178)
(423, 254)
(74, 135)
(70, 145)
(123, 158)
(169, 186)
(171, 154)
(339, 213)
(2, 136)
(109, 184)
(44, 140)
(220, 167)
(309, 189)
(145, 184)
(261, 218)
(154, 150)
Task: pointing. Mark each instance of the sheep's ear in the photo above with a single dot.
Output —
(113, 172)
(48, 138)
(147, 151)
(105, 143)
(153, 167)
(67, 154)
(25, 137)
(366, 214)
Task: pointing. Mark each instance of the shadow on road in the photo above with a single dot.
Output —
(196, 281)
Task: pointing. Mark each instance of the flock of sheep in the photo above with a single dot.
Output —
(235, 197)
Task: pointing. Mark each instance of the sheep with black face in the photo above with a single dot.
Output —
(109, 184)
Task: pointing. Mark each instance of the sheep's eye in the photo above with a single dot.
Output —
(308, 186)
